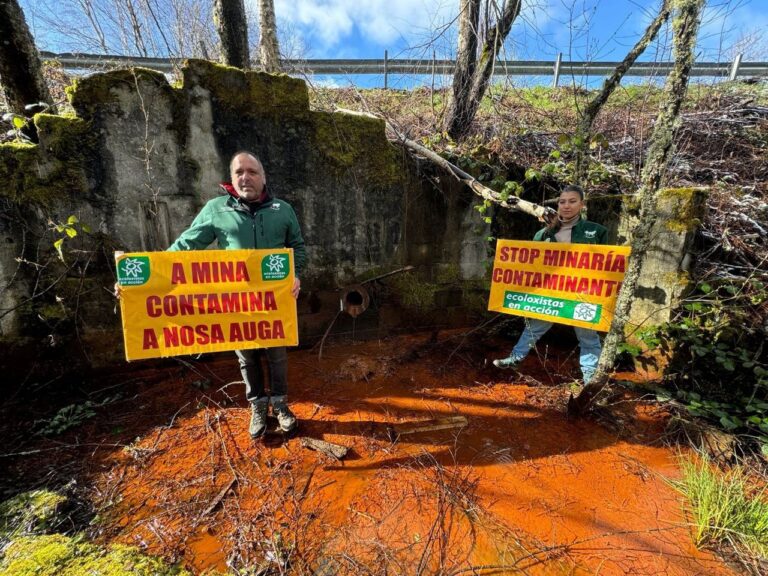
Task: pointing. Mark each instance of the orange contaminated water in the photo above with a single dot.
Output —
(520, 489)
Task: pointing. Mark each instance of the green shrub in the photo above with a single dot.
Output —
(722, 510)
(720, 361)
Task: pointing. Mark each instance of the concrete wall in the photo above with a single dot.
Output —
(141, 157)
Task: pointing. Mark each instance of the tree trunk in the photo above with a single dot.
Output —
(466, 61)
(231, 25)
(269, 49)
(584, 131)
(21, 72)
(465, 102)
(685, 22)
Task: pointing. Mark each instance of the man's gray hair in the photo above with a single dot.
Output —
(249, 153)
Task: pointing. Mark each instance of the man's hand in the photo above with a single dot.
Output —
(296, 287)
(118, 288)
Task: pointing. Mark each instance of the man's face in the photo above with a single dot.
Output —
(247, 177)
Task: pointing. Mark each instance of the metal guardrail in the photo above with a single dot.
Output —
(416, 67)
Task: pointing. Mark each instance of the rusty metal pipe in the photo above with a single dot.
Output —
(355, 300)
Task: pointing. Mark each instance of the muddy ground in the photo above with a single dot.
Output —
(167, 464)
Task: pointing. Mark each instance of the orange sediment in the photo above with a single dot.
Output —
(519, 489)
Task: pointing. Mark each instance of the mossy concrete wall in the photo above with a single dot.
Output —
(665, 275)
(666, 270)
(141, 157)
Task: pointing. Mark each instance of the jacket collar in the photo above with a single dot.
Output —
(578, 225)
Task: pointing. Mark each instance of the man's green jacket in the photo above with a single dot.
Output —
(583, 232)
(228, 220)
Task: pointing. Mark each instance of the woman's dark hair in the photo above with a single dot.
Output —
(574, 188)
(554, 224)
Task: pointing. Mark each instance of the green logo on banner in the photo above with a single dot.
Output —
(133, 271)
(275, 267)
(554, 307)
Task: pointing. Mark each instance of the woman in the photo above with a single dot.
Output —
(567, 227)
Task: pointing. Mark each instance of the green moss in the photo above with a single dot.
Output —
(58, 555)
(99, 91)
(90, 93)
(680, 280)
(55, 167)
(64, 136)
(447, 273)
(684, 206)
(348, 141)
(29, 513)
(250, 94)
(413, 293)
(20, 167)
(71, 146)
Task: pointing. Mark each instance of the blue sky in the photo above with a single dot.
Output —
(580, 29)
(583, 29)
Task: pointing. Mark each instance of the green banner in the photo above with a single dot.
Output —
(553, 307)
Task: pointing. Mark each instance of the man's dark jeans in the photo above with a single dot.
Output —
(253, 372)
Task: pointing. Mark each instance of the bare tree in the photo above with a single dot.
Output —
(474, 69)
(232, 26)
(685, 22)
(584, 131)
(269, 50)
(21, 73)
(159, 28)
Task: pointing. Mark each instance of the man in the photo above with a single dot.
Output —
(571, 228)
(248, 216)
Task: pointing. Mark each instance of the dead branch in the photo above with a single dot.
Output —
(335, 451)
(396, 430)
(219, 497)
(539, 212)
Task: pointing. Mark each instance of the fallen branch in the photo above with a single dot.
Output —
(396, 430)
(219, 497)
(510, 203)
(335, 451)
(388, 274)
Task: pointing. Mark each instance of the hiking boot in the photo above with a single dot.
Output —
(506, 363)
(258, 418)
(285, 417)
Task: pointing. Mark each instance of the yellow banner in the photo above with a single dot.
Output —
(175, 303)
(574, 284)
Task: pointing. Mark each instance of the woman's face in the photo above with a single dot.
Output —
(569, 205)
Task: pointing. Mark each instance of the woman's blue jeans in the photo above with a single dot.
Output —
(589, 345)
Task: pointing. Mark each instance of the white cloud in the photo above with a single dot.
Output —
(327, 23)
(581, 29)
